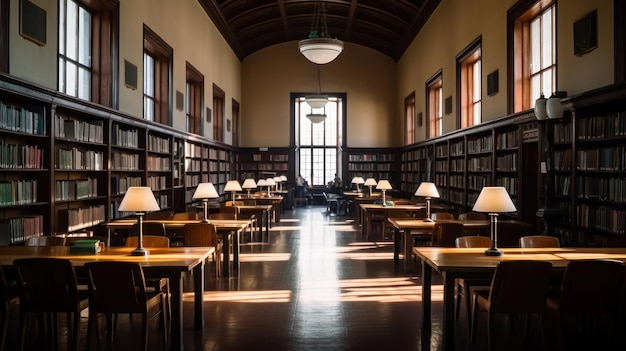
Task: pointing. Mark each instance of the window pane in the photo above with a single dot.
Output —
(546, 38)
(318, 167)
(331, 165)
(84, 34)
(535, 88)
(148, 108)
(61, 75)
(535, 46)
(477, 112)
(546, 81)
(62, 28)
(72, 13)
(148, 75)
(318, 133)
(70, 79)
(84, 84)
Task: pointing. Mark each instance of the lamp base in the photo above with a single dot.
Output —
(428, 220)
(206, 220)
(140, 251)
(492, 251)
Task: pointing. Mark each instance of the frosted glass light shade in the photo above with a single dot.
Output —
(316, 101)
(139, 199)
(554, 109)
(283, 178)
(205, 191)
(427, 189)
(383, 184)
(261, 182)
(320, 50)
(316, 117)
(232, 185)
(494, 199)
(540, 108)
(270, 182)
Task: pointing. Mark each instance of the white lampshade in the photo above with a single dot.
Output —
(283, 178)
(370, 182)
(540, 108)
(261, 182)
(427, 189)
(494, 199)
(316, 101)
(139, 199)
(383, 184)
(316, 117)
(205, 191)
(321, 50)
(270, 182)
(554, 109)
(277, 179)
(357, 180)
(249, 183)
(232, 185)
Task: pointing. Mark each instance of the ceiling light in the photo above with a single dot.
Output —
(319, 47)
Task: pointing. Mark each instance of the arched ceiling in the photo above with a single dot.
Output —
(387, 26)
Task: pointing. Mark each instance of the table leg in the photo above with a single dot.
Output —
(236, 234)
(448, 311)
(226, 252)
(198, 296)
(176, 306)
(426, 304)
(408, 248)
(396, 246)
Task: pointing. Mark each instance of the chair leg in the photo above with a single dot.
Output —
(474, 323)
(144, 331)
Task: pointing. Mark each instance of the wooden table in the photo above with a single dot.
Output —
(225, 228)
(404, 226)
(263, 212)
(454, 263)
(273, 200)
(369, 210)
(168, 263)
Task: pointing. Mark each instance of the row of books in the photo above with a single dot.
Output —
(124, 137)
(76, 189)
(477, 182)
(479, 164)
(193, 165)
(563, 160)
(509, 183)
(124, 162)
(507, 163)
(80, 130)
(371, 158)
(20, 156)
(16, 230)
(361, 167)
(562, 184)
(80, 159)
(601, 127)
(603, 159)
(563, 133)
(79, 218)
(193, 150)
(19, 119)
(119, 185)
(441, 150)
(158, 144)
(156, 163)
(18, 192)
(157, 182)
(603, 189)
(483, 144)
(457, 181)
(602, 218)
(457, 148)
(508, 140)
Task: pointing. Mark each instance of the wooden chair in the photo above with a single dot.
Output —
(120, 287)
(8, 298)
(149, 241)
(230, 209)
(223, 215)
(441, 215)
(158, 215)
(185, 216)
(538, 241)
(45, 240)
(445, 233)
(472, 216)
(152, 228)
(49, 286)
(509, 233)
(204, 234)
(588, 304)
(464, 286)
(518, 287)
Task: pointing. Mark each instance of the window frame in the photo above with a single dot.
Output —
(466, 87)
(434, 105)
(235, 123)
(219, 97)
(163, 55)
(410, 119)
(194, 100)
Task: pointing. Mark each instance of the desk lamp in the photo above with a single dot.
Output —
(277, 180)
(139, 199)
(270, 183)
(248, 184)
(205, 191)
(370, 182)
(384, 185)
(261, 183)
(357, 181)
(427, 190)
(232, 186)
(493, 200)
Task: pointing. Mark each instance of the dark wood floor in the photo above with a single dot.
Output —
(315, 285)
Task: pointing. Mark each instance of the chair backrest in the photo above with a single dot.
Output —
(185, 215)
(233, 203)
(47, 285)
(520, 286)
(441, 215)
(539, 241)
(223, 215)
(445, 234)
(472, 215)
(510, 232)
(230, 209)
(591, 287)
(200, 234)
(45, 240)
(159, 215)
(469, 241)
(116, 287)
(149, 241)
(151, 228)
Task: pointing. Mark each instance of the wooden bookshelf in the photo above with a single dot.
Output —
(372, 163)
(258, 163)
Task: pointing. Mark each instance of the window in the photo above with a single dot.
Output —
(235, 126)
(409, 118)
(532, 25)
(157, 61)
(193, 102)
(218, 113)
(434, 91)
(87, 41)
(470, 84)
(319, 144)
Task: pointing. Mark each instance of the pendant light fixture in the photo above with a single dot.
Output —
(317, 101)
(319, 47)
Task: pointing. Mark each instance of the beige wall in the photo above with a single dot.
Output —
(456, 23)
(367, 76)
